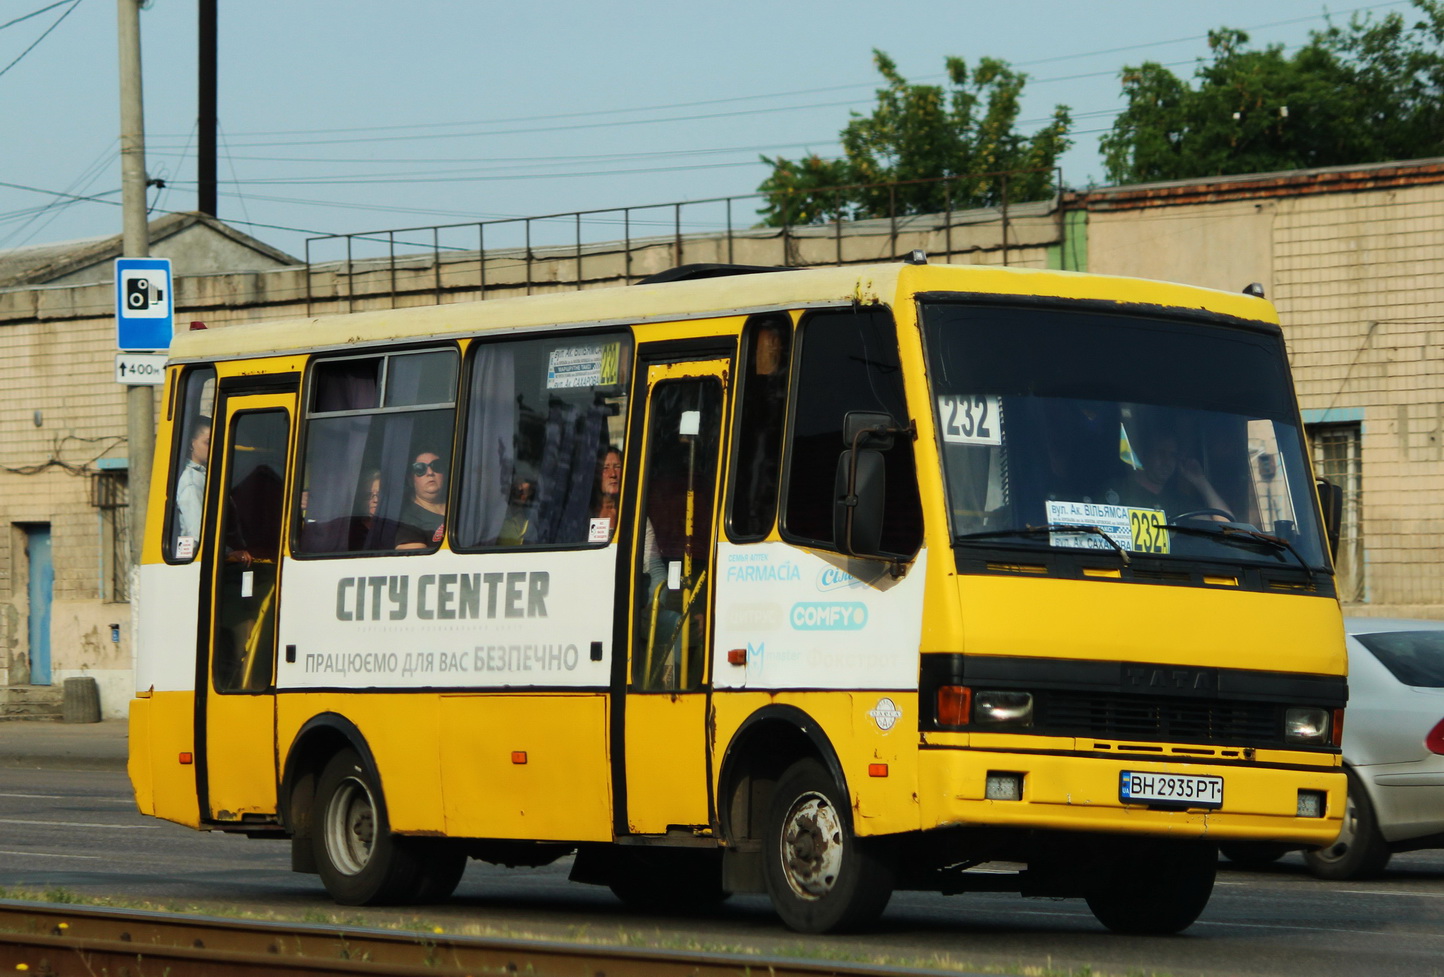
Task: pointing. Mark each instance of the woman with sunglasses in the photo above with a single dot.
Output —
(423, 520)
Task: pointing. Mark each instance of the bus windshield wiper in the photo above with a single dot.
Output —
(1048, 529)
(1241, 535)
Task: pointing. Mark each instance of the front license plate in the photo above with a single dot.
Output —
(1183, 790)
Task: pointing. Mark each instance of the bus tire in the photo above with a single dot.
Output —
(820, 876)
(1253, 854)
(359, 860)
(1359, 852)
(669, 880)
(1154, 886)
(440, 865)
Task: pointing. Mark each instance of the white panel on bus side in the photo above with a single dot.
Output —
(806, 620)
(448, 620)
(168, 603)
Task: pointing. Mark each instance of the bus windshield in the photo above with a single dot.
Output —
(1136, 434)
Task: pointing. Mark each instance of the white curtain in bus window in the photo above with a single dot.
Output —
(543, 416)
(376, 475)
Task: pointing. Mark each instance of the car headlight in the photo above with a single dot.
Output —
(1306, 724)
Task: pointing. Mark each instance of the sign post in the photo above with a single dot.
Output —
(140, 369)
(144, 305)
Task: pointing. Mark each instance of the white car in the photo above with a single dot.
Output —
(1393, 751)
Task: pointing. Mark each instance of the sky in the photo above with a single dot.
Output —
(349, 116)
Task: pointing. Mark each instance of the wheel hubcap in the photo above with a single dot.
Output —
(812, 846)
(350, 827)
(1347, 833)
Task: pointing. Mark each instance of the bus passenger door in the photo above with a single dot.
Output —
(666, 756)
(238, 750)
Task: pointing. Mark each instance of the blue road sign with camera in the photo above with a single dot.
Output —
(144, 309)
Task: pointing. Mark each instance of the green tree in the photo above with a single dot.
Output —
(965, 129)
(1368, 92)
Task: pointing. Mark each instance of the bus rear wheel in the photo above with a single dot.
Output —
(1154, 886)
(821, 877)
(359, 860)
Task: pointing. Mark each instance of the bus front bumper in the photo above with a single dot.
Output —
(1263, 800)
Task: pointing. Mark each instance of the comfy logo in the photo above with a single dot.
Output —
(828, 616)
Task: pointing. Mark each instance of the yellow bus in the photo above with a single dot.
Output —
(818, 583)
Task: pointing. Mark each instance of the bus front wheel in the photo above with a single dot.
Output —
(1154, 886)
(359, 860)
(821, 877)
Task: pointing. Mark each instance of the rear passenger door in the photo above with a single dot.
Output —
(673, 542)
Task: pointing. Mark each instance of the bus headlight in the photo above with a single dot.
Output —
(1306, 724)
(1003, 708)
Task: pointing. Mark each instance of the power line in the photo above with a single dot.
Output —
(526, 131)
(42, 37)
(57, 193)
(411, 178)
(741, 98)
(527, 160)
(1185, 40)
(33, 13)
(493, 168)
(56, 207)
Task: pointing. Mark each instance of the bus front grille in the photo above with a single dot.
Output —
(1158, 718)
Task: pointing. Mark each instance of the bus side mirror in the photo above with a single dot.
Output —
(860, 492)
(868, 429)
(860, 488)
(1331, 498)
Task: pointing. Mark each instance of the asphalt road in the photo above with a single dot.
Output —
(77, 832)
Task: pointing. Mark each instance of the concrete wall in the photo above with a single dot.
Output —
(1224, 246)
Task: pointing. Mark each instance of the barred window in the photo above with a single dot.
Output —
(1338, 457)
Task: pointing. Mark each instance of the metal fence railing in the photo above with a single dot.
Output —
(395, 260)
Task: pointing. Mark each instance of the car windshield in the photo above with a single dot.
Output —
(1137, 434)
(1414, 657)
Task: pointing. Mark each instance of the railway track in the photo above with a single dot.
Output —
(48, 940)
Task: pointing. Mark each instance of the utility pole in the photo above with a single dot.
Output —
(206, 124)
(139, 400)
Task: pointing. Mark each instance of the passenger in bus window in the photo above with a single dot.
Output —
(190, 488)
(519, 513)
(1170, 479)
(604, 497)
(370, 502)
(423, 519)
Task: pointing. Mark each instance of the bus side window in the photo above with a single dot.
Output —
(375, 469)
(544, 419)
(190, 460)
(848, 362)
(757, 452)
